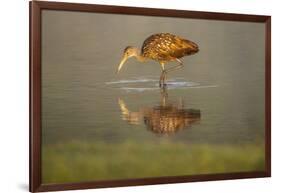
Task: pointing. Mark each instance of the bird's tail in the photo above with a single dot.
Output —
(191, 47)
(194, 46)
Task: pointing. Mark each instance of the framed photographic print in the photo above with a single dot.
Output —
(123, 96)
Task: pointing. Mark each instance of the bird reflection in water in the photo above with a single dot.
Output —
(166, 118)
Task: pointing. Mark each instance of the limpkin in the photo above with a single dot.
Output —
(163, 48)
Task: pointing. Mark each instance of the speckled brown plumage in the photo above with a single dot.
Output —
(164, 47)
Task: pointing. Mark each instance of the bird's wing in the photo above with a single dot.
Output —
(181, 47)
(151, 47)
(165, 46)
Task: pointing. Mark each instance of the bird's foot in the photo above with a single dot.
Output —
(163, 76)
(162, 85)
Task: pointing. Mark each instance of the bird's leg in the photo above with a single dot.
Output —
(162, 79)
(163, 75)
(180, 65)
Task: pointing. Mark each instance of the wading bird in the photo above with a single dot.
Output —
(163, 48)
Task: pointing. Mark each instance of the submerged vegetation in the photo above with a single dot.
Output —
(86, 161)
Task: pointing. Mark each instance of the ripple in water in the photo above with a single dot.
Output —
(147, 84)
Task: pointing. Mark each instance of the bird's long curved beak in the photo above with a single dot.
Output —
(123, 60)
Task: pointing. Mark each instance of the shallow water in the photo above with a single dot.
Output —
(215, 101)
(145, 84)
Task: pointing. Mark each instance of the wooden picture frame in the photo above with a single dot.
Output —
(36, 8)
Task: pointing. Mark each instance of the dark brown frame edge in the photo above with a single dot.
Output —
(36, 7)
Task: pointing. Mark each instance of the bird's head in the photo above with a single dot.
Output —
(129, 52)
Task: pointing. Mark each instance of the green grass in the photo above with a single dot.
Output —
(82, 161)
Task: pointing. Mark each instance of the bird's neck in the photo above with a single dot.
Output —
(140, 57)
